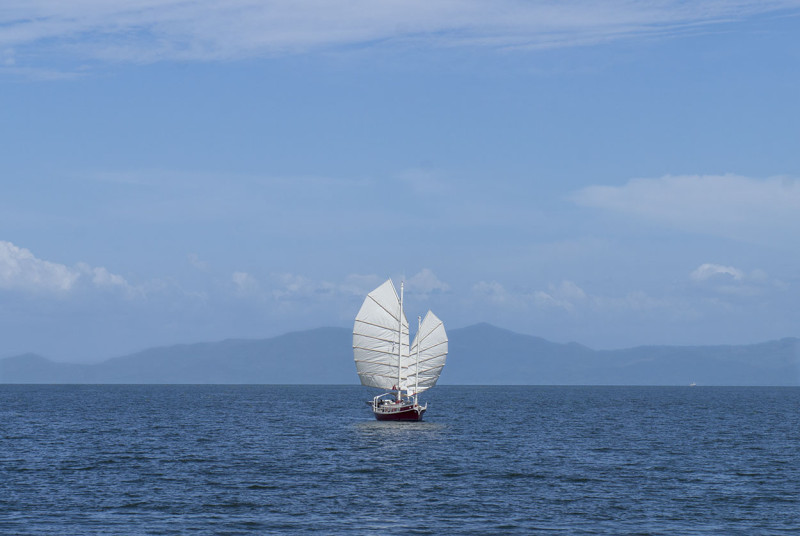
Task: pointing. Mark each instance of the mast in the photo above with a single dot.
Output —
(416, 369)
(400, 342)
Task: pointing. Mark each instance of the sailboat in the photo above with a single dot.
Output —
(385, 360)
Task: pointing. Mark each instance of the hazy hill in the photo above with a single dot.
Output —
(316, 356)
(479, 354)
(524, 359)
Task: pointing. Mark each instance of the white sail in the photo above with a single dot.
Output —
(432, 341)
(376, 335)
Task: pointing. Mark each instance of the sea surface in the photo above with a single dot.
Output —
(177, 459)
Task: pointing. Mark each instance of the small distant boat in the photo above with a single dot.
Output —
(692, 384)
(385, 360)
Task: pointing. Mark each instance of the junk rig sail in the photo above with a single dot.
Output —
(384, 358)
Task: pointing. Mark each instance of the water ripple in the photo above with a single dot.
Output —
(518, 460)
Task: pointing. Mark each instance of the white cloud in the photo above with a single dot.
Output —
(157, 30)
(22, 271)
(730, 281)
(426, 283)
(725, 205)
(359, 285)
(298, 287)
(103, 278)
(493, 292)
(708, 271)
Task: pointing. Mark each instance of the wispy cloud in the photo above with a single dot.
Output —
(359, 285)
(245, 284)
(157, 30)
(568, 298)
(102, 278)
(730, 281)
(195, 260)
(423, 182)
(564, 296)
(416, 203)
(723, 205)
(492, 292)
(295, 287)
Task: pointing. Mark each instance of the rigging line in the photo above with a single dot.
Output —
(377, 363)
(377, 375)
(379, 379)
(369, 364)
(427, 359)
(379, 304)
(381, 360)
(390, 354)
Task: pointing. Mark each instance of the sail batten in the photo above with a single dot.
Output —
(373, 351)
(375, 374)
(381, 326)
(423, 361)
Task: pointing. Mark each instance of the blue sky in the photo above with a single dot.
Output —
(612, 173)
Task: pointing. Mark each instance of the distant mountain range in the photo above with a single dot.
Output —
(479, 354)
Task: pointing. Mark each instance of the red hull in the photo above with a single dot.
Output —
(406, 413)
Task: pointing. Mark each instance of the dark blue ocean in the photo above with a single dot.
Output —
(487, 460)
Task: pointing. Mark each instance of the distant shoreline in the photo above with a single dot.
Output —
(481, 354)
